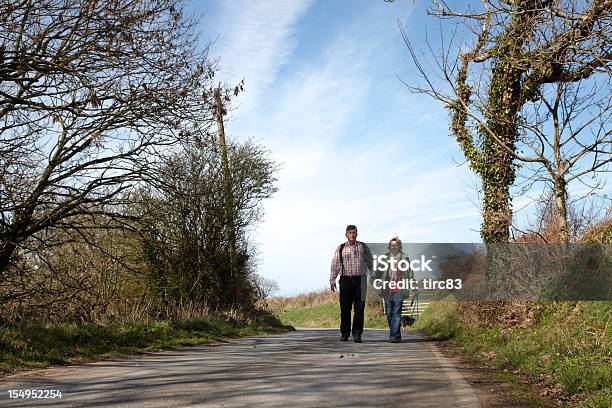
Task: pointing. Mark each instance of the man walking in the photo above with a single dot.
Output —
(352, 261)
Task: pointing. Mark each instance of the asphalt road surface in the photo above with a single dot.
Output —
(305, 368)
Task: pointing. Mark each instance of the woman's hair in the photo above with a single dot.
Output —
(396, 239)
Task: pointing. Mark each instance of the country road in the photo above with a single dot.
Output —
(304, 368)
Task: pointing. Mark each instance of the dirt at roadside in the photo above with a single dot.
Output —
(490, 389)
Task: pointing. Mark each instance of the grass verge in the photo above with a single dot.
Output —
(564, 349)
(42, 345)
(328, 315)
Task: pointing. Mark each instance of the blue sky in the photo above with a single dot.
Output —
(355, 146)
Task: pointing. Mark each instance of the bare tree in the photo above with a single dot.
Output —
(536, 78)
(91, 93)
(266, 287)
(566, 134)
(543, 225)
(184, 222)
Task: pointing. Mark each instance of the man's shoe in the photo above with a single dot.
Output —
(357, 339)
(395, 340)
(344, 338)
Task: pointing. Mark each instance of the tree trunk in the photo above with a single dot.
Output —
(504, 102)
(6, 253)
(561, 206)
(498, 172)
(497, 214)
(229, 199)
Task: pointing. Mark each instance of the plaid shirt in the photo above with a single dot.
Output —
(357, 261)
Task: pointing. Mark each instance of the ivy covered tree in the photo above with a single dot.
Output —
(526, 54)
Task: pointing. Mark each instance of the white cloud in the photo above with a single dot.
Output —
(256, 38)
(320, 123)
(306, 220)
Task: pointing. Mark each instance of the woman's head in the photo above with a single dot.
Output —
(395, 245)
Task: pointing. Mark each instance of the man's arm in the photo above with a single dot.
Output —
(335, 269)
(368, 259)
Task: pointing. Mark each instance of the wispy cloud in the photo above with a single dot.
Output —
(338, 127)
(256, 38)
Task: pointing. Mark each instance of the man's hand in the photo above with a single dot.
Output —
(332, 286)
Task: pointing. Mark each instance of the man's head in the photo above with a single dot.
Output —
(351, 234)
(395, 245)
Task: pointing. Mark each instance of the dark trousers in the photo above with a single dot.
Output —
(352, 295)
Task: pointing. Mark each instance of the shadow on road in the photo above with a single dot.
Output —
(301, 368)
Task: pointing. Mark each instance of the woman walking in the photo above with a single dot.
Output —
(394, 272)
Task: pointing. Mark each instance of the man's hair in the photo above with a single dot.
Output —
(350, 227)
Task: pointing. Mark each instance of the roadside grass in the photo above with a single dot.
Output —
(566, 350)
(439, 321)
(322, 309)
(302, 300)
(41, 345)
(328, 315)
